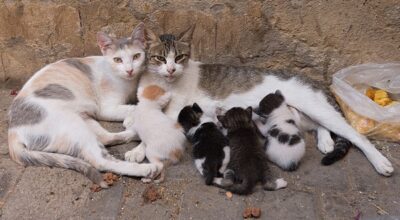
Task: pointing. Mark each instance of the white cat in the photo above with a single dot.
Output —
(52, 119)
(213, 85)
(162, 138)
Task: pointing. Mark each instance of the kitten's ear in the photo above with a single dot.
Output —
(187, 35)
(221, 119)
(104, 41)
(151, 37)
(196, 108)
(278, 92)
(249, 111)
(138, 35)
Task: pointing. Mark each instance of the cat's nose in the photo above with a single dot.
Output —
(130, 72)
(171, 71)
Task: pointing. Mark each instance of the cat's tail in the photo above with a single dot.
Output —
(26, 157)
(340, 150)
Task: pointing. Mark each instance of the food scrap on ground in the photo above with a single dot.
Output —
(95, 188)
(252, 212)
(110, 178)
(14, 92)
(151, 194)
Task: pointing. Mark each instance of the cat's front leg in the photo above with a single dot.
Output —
(115, 112)
(137, 154)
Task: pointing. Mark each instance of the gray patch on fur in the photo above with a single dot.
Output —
(219, 81)
(84, 68)
(23, 112)
(121, 43)
(55, 91)
(38, 143)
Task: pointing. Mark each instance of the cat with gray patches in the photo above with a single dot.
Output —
(52, 119)
(211, 152)
(248, 163)
(226, 86)
(284, 143)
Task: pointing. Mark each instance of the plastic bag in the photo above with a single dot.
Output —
(365, 115)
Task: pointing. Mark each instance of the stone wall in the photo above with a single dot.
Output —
(315, 37)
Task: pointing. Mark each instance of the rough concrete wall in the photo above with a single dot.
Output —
(315, 37)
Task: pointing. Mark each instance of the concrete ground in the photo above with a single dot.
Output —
(344, 190)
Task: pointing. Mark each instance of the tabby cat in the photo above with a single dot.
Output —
(219, 85)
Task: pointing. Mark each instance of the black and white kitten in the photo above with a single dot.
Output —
(210, 147)
(284, 143)
(248, 162)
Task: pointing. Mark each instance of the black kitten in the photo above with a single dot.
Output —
(248, 163)
(210, 147)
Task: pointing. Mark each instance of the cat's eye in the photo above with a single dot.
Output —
(160, 59)
(136, 56)
(180, 58)
(117, 59)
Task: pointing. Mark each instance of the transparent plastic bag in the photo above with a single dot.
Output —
(366, 116)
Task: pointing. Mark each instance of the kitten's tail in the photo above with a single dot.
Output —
(25, 157)
(243, 188)
(340, 150)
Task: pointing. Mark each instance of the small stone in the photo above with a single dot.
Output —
(247, 213)
(229, 195)
(256, 212)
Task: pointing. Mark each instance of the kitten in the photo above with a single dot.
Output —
(51, 120)
(284, 143)
(211, 152)
(162, 138)
(213, 85)
(248, 162)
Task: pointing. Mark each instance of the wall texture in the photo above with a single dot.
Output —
(314, 37)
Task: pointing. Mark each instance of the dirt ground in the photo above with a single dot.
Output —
(348, 189)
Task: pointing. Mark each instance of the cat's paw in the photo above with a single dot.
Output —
(381, 163)
(128, 122)
(325, 143)
(135, 155)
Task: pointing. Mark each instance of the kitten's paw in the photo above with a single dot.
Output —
(128, 122)
(135, 155)
(325, 142)
(152, 171)
(280, 183)
(129, 136)
(381, 164)
(146, 180)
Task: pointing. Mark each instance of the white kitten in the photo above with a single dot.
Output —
(162, 138)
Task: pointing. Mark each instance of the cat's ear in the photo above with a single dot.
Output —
(104, 41)
(249, 111)
(151, 37)
(138, 35)
(186, 36)
(196, 108)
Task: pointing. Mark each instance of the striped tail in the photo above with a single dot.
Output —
(23, 156)
(340, 150)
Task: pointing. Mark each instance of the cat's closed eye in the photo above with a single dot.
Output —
(117, 59)
(160, 59)
(136, 56)
(180, 58)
